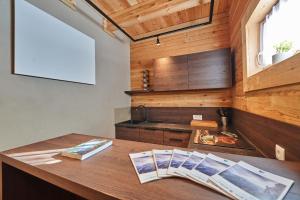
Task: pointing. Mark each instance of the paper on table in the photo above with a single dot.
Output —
(208, 167)
(186, 167)
(178, 157)
(144, 166)
(247, 182)
(162, 160)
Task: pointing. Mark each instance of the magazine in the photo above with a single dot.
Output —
(208, 167)
(144, 166)
(178, 157)
(247, 182)
(87, 149)
(190, 163)
(162, 160)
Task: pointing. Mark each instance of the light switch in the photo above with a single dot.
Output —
(280, 152)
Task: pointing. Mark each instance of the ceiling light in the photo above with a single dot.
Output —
(157, 41)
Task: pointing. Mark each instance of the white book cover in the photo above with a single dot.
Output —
(208, 167)
(178, 157)
(144, 166)
(162, 160)
(247, 182)
(187, 166)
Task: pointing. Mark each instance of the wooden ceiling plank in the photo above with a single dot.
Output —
(132, 2)
(174, 27)
(160, 13)
(105, 7)
(141, 18)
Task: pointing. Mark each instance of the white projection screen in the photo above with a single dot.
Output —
(46, 47)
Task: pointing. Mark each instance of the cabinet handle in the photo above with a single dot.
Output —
(151, 129)
(181, 131)
(176, 140)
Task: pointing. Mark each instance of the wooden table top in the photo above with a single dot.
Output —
(110, 174)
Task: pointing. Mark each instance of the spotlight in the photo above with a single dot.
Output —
(157, 41)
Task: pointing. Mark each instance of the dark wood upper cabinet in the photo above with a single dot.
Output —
(208, 70)
(205, 70)
(170, 73)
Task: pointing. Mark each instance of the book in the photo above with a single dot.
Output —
(178, 157)
(187, 166)
(208, 167)
(245, 181)
(87, 149)
(144, 166)
(162, 160)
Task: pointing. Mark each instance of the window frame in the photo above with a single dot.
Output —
(255, 76)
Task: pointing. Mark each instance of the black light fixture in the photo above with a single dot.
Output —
(157, 41)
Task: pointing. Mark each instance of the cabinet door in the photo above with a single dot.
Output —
(170, 73)
(152, 136)
(125, 133)
(176, 138)
(210, 70)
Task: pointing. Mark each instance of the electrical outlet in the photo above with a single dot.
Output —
(197, 117)
(280, 152)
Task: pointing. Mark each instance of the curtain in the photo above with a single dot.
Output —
(281, 24)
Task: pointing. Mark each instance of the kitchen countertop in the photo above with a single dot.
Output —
(110, 174)
(156, 125)
(241, 146)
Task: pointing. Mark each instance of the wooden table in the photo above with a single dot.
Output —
(110, 175)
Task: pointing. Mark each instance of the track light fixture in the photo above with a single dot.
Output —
(157, 41)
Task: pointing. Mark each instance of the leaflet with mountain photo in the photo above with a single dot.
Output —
(187, 166)
(247, 182)
(144, 166)
(178, 157)
(162, 160)
(208, 167)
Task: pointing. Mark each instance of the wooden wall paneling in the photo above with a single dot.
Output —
(210, 69)
(281, 103)
(205, 98)
(182, 115)
(265, 133)
(206, 38)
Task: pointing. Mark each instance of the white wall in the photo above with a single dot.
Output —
(34, 109)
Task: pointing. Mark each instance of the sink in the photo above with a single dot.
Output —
(134, 122)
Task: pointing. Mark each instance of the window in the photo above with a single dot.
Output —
(280, 26)
(266, 23)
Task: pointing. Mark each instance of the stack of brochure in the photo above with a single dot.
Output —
(235, 180)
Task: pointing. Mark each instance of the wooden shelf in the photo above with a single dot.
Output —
(142, 92)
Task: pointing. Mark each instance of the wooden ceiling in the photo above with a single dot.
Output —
(142, 18)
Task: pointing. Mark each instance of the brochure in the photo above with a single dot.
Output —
(247, 182)
(190, 163)
(162, 160)
(208, 167)
(178, 157)
(144, 166)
